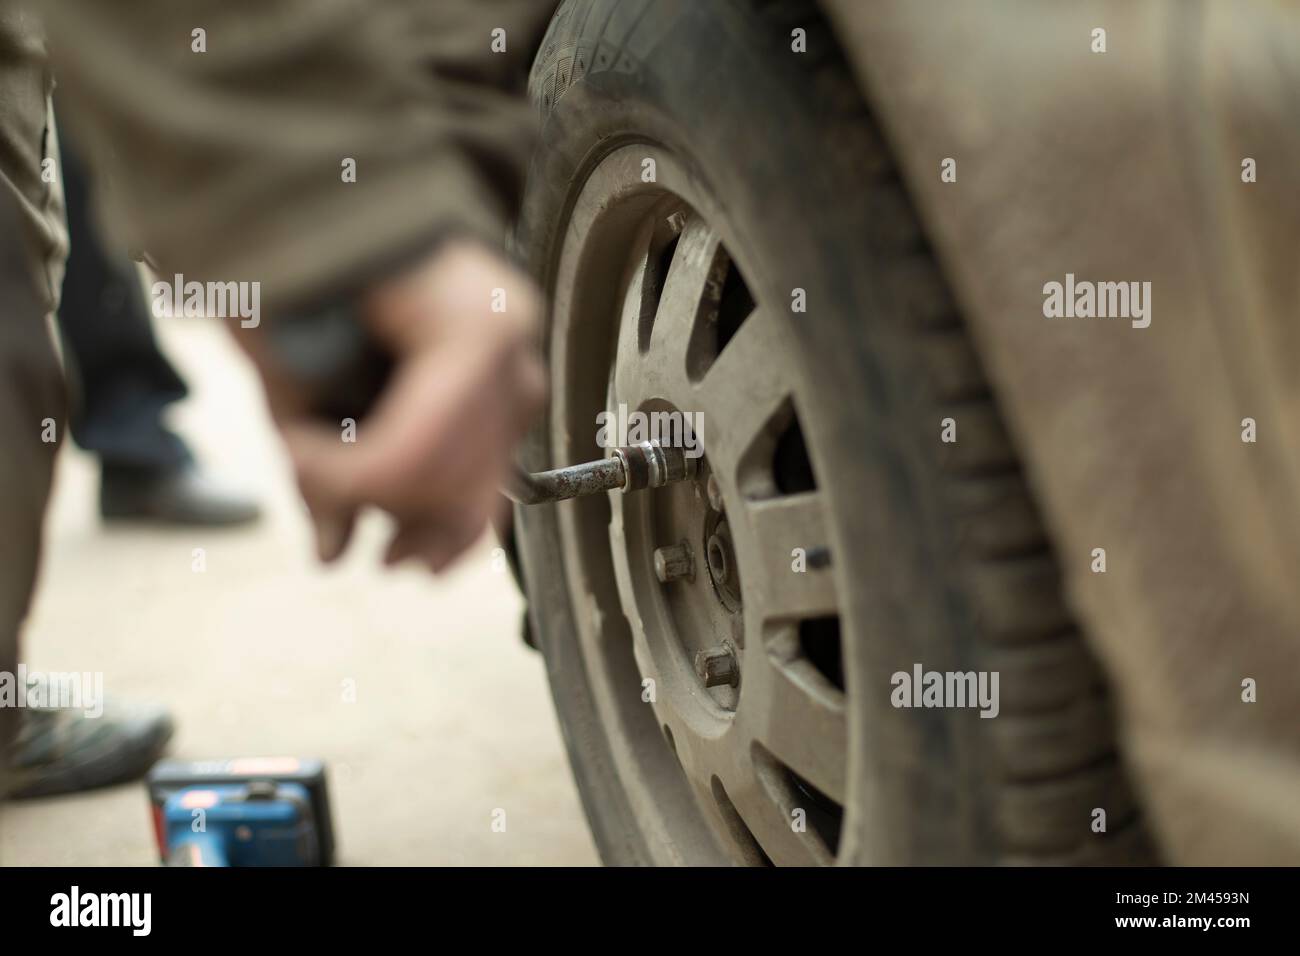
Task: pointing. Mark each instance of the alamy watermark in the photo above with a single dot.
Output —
(213, 300)
(922, 688)
(684, 430)
(74, 908)
(1101, 300)
(74, 690)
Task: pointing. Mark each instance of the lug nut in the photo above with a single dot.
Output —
(674, 562)
(717, 666)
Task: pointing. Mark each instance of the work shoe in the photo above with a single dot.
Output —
(183, 496)
(62, 750)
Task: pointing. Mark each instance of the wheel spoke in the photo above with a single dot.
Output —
(771, 821)
(801, 717)
(691, 293)
(744, 390)
(750, 801)
(791, 556)
(629, 364)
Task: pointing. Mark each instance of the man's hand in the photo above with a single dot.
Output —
(434, 449)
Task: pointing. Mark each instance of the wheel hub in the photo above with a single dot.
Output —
(692, 581)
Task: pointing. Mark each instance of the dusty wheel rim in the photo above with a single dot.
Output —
(651, 312)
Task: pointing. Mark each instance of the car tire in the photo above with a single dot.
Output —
(937, 551)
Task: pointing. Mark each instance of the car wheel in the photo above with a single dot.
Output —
(722, 232)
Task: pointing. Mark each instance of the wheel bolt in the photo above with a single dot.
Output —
(717, 666)
(674, 562)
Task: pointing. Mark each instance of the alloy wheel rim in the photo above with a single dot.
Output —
(758, 763)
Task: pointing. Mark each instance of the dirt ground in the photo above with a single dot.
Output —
(259, 653)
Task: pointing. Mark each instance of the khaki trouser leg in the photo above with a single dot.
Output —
(33, 245)
(31, 408)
